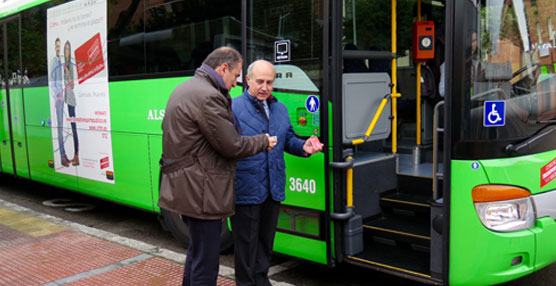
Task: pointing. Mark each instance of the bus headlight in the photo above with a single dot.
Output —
(504, 216)
(504, 208)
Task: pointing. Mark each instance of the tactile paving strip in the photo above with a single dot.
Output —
(27, 224)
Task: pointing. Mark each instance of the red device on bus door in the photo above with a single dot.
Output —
(423, 40)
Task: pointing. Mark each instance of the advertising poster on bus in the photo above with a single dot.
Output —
(78, 84)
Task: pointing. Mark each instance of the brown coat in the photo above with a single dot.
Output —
(200, 147)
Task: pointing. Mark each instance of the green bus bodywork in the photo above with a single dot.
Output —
(483, 252)
(136, 116)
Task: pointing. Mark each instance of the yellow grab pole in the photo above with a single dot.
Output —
(373, 122)
(376, 117)
(349, 185)
(395, 94)
(418, 125)
(418, 102)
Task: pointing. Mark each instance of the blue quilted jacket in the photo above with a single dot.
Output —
(265, 173)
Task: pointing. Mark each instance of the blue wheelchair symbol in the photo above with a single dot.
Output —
(494, 113)
(312, 103)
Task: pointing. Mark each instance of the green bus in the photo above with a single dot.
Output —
(438, 119)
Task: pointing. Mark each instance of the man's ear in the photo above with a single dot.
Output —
(221, 69)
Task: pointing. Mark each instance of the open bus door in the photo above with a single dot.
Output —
(13, 145)
(388, 212)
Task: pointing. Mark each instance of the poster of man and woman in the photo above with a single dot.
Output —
(78, 87)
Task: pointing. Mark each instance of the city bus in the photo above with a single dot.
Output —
(438, 119)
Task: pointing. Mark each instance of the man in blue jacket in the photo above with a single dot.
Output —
(261, 178)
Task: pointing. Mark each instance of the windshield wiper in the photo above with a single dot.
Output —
(533, 140)
(550, 121)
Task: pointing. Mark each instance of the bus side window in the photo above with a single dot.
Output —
(179, 34)
(126, 38)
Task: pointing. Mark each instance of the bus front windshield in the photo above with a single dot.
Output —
(509, 70)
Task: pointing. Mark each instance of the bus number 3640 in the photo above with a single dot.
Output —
(300, 185)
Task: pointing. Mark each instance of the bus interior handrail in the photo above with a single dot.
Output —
(368, 55)
(348, 164)
(437, 130)
(372, 125)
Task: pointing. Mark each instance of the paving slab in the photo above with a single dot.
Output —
(35, 251)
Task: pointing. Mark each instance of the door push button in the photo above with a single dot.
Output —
(4, 142)
(19, 144)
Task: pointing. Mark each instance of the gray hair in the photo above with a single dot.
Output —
(223, 55)
(250, 68)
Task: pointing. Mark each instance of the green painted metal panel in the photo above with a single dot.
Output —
(545, 232)
(138, 106)
(40, 152)
(19, 136)
(37, 106)
(305, 181)
(524, 171)
(301, 247)
(5, 138)
(479, 256)
(300, 221)
(297, 111)
(132, 178)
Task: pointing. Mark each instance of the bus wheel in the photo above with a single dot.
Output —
(172, 222)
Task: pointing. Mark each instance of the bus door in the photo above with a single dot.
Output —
(13, 145)
(383, 204)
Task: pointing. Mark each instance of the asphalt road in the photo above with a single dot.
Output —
(144, 226)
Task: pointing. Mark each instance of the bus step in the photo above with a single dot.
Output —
(404, 201)
(414, 185)
(393, 258)
(399, 228)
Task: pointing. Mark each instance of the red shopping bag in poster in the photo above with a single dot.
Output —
(88, 58)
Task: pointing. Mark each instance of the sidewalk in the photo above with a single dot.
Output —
(38, 249)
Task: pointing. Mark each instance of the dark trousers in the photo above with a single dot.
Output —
(71, 113)
(203, 254)
(253, 229)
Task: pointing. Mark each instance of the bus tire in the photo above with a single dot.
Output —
(172, 222)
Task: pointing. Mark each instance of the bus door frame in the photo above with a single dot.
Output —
(8, 87)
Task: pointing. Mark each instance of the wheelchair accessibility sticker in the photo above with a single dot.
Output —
(494, 113)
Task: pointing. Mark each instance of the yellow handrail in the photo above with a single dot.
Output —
(418, 102)
(373, 122)
(418, 99)
(349, 174)
(395, 94)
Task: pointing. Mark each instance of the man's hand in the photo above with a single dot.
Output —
(312, 145)
(272, 141)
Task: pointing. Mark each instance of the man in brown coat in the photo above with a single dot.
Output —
(200, 147)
